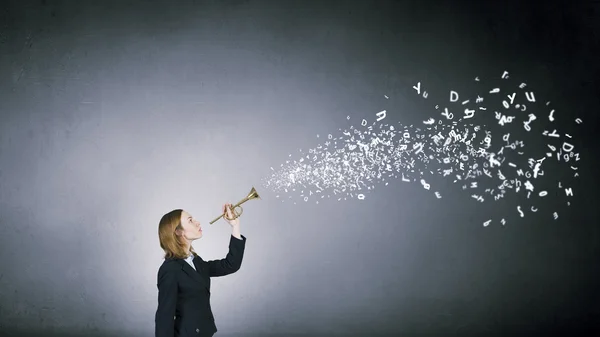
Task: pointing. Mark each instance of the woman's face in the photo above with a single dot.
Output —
(191, 227)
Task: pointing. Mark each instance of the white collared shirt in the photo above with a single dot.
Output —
(190, 260)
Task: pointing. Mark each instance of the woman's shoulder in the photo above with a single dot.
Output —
(170, 264)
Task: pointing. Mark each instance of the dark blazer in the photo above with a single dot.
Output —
(184, 293)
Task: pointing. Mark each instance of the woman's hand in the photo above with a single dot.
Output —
(229, 212)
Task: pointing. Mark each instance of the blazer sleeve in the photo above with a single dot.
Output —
(232, 262)
(167, 301)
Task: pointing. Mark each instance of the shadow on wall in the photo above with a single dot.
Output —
(58, 333)
(92, 333)
(516, 314)
(585, 329)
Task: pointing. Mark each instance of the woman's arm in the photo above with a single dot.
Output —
(167, 301)
(233, 261)
(235, 231)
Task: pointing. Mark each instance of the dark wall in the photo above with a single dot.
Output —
(116, 112)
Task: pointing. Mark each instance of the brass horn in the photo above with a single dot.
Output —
(252, 195)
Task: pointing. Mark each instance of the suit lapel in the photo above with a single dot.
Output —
(193, 273)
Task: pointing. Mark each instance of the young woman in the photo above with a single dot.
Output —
(184, 277)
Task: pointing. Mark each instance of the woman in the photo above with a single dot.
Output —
(184, 277)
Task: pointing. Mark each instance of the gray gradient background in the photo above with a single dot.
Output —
(115, 112)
